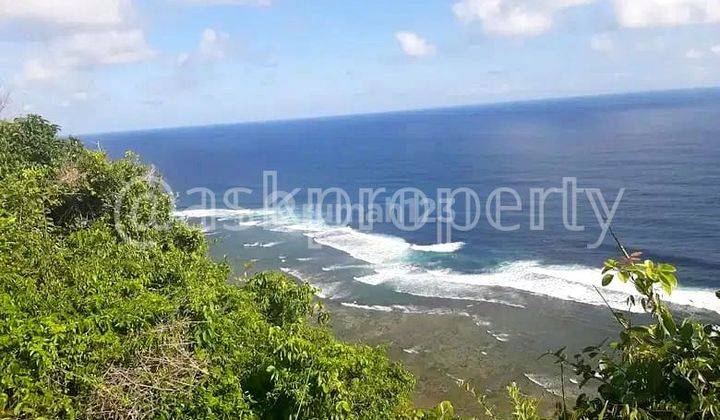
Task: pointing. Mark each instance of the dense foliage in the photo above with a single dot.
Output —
(667, 369)
(137, 322)
(664, 370)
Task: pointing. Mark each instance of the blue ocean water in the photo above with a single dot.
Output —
(662, 148)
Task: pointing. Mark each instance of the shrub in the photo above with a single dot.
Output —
(667, 369)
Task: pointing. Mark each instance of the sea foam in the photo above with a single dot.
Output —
(389, 256)
(571, 283)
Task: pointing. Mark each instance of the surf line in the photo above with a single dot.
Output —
(410, 209)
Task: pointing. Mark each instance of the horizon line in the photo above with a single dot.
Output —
(408, 110)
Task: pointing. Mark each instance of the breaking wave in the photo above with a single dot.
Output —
(390, 257)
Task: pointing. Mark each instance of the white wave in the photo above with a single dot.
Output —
(387, 253)
(448, 247)
(374, 248)
(502, 302)
(369, 247)
(429, 311)
(345, 267)
(271, 244)
(305, 259)
(499, 336)
(262, 244)
(379, 308)
(409, 309)
(225, 214)
(549, 384)
(571, 283)
(415, 350)
(298, 275)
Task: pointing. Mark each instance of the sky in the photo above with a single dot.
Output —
(114, 65)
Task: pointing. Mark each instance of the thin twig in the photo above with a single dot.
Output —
(562, 388)
(617, 241)
(614, 314)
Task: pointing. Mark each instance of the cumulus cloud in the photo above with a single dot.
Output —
(649, 13)
(73, 35)
(413, 45)
(66, 54)
(533, 17)
(513, 17)
(602, 43)
(213, 46)
(64, 12)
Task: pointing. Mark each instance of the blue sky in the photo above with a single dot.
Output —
(101, 65)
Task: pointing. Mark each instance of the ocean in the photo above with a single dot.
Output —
(661, 149)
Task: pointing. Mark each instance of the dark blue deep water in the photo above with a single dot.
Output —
(662, 148)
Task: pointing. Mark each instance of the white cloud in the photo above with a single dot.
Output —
(72, 35)
(107, 47)
(602, 43)
(694, 54)
(213, 46)
(649, 13)
(64, 12)
(715, 49)
(513, 17)
(182, 58)
(37, 70)
(262, 3)
(413, 45)
(86, 49)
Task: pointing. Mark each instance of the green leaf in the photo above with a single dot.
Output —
(607, 278)
(667, 321)
(666, 268)
(624, 277)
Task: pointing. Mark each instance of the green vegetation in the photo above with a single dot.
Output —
(94, 325)
(665, 370)
(138, 322)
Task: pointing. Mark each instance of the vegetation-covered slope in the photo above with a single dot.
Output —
(94, 323)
